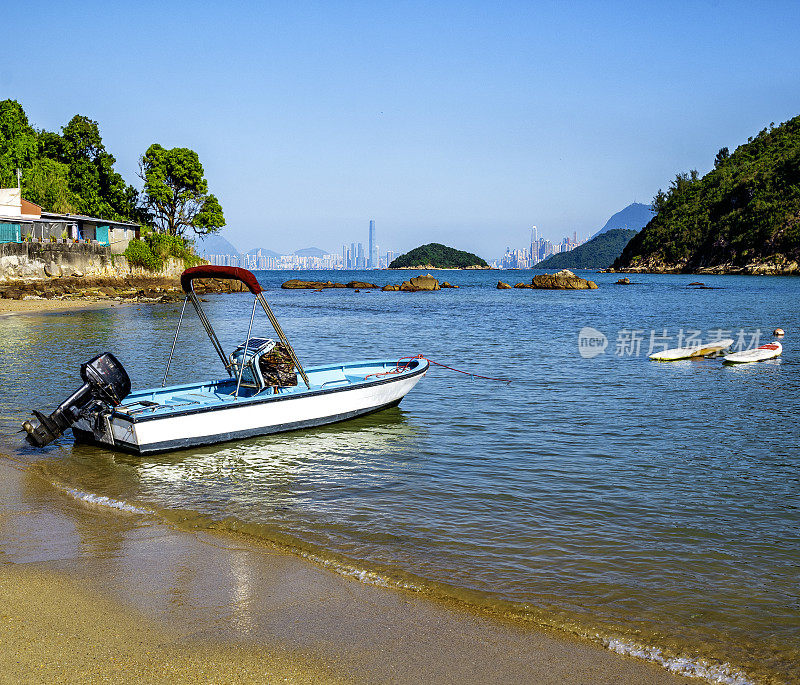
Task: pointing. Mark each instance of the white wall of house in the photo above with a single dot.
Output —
(10, 202)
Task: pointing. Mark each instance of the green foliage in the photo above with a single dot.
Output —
(18, 144)
(597, 253)
(176, 192)
(746, 209)
(70, 172)
(46, 183)
(439, 256)
(138, 253)
(155, 248)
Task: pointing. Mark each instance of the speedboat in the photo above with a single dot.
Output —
(266, 390)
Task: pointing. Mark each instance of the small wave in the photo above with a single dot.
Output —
(724, 674)
(100, 500)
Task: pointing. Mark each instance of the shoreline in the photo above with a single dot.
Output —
(45, 306)
(200, 598)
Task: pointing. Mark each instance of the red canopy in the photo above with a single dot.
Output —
(233, 273)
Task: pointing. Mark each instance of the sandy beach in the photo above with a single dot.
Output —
(43, 306)
(90, 593)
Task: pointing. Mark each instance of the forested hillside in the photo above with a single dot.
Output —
(597, 253)
(743, 216)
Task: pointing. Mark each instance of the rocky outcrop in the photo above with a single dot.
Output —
(562, 280)
(523, 285)
(624, 281)
(503, 286)
(420, 283)
(390, 288)
(359, 284)
(774, 265)
(295, 284)
(448, 285)
(130, 289)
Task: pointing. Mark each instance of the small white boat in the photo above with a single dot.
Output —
(758, 354)
(261, 395)
(689, 352)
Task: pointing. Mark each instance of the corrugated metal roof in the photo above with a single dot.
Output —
(93, 219)
(15, 220)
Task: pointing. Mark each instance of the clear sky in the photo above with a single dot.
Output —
(456, 122)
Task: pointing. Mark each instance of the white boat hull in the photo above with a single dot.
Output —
(246, 417)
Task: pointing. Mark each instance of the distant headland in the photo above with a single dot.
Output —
(741, 217)
(438, 256)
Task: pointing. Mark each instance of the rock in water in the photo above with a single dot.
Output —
(503, 286)
(624, 281)
(563, 280)
(426, 282)
(294, 284)
(361, 284)
(390, 288)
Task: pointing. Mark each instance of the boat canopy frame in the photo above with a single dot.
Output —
(246, 277)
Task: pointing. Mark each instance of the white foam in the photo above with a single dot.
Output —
(101, 500)
(724, 674)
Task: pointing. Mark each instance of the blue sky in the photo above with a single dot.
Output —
(456, 122)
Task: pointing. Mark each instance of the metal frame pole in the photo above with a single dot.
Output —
(246, 345)
(174, 342)
(282, 336)
(210, 330)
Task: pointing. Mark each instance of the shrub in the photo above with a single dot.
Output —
(155, 248)
(138, 253)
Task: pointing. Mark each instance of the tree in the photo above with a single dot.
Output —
(98, 189)
(18, 145)
(176, 192)
(722, 155)
(46, 183)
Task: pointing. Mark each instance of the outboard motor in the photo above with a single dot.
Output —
(105, 381)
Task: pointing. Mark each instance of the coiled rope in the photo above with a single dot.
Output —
(399, 368)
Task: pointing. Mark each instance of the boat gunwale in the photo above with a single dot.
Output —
(248, 401)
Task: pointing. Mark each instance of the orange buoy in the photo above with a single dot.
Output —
(778, 331)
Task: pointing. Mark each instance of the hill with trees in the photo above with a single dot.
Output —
(741, 217)
(437, 256)
(597, 253)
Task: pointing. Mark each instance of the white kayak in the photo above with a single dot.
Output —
(758, 354)
(688, 352)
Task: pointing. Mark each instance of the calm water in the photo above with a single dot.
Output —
(654, 507)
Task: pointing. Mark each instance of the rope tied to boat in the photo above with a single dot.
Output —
(399, 368)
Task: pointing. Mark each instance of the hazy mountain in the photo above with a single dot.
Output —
(214, 244)
(635, 216)
(264, 252)
(310, 252)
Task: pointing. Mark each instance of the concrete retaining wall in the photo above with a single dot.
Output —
(30, 261)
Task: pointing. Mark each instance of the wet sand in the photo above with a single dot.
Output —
(12, 307)
(89, 592)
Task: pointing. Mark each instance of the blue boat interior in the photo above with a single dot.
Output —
(178, 398)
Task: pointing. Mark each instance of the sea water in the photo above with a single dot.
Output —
(652, 507)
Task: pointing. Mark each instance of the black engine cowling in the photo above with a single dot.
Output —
(105, 380)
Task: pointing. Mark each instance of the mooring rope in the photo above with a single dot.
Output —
(399, 369)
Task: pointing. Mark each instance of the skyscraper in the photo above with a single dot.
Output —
(360, 257)
(352, 260)
(372, 256)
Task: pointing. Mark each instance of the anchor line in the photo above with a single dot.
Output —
(400, 368)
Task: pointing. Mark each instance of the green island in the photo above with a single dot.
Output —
(597, 253)
(741, 217)
(438, 256)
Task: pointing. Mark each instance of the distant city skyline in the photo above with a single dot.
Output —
(502, 116)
